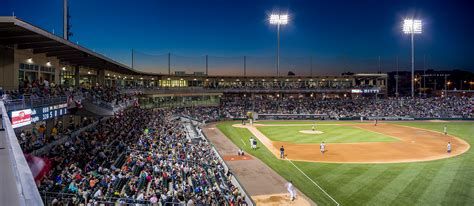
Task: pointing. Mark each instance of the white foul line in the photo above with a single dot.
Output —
(243, 141)
(314, 183)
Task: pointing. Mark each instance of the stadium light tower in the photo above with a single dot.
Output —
(278, 19)
(412, 27)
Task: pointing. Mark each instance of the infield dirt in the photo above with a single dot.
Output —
(415, 145)
(265, 186)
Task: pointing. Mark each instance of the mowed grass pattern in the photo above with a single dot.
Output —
(441, 182)
(332, 134)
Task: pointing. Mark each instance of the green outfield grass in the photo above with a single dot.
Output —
(441, 182)
(332, 134)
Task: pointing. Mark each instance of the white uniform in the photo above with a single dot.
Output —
(322, 147)
(449, 147)
(291, 190)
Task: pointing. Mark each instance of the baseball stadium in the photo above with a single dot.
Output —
(241, 103)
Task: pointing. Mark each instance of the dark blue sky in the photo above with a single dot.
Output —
(349, 35)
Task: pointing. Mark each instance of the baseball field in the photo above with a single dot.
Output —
(393, 163)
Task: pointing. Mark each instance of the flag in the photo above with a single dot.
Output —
(39, 166)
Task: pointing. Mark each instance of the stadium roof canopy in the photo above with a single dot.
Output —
(14, 31)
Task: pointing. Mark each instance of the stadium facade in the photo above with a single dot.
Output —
(30, 53)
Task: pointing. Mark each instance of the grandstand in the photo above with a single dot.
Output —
(79, 128)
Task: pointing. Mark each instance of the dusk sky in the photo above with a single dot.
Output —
(340, 35)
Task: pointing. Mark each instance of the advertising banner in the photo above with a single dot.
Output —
(21, 118)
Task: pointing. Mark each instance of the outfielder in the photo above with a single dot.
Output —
(445, 130)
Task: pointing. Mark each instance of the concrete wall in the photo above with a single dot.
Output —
(6, 69)
(21, 56)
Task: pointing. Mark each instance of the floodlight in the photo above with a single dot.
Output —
(278, 19)
(284, 19)
(274, 19)
(411, 26)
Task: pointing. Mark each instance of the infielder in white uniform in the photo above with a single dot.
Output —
(322, 147)
(251, 142)
(291, 190)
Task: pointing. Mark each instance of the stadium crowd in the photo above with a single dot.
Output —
(44, 89)
(434, 107)
(139, 156)
(145, 156)
(37, 136)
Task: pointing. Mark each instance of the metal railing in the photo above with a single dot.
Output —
(112, 106)
(75, 198)
(29, 102)
(167, 90)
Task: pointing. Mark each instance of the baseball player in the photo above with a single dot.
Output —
(312, 128)
(291, 190)
(322, 147)
(251, 142)
(449, 147)
(282, 152)
(445, 130)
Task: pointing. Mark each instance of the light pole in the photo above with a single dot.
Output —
(396, 81)
(412, 27)
(278, 19)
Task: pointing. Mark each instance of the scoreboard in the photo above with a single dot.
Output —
(48, 112)
(27, 116)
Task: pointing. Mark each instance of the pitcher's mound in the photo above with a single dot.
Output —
(311, 132)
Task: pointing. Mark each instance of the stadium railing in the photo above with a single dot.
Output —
(28, 102)
(166, 90)
(72, 198)
(25, 184)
